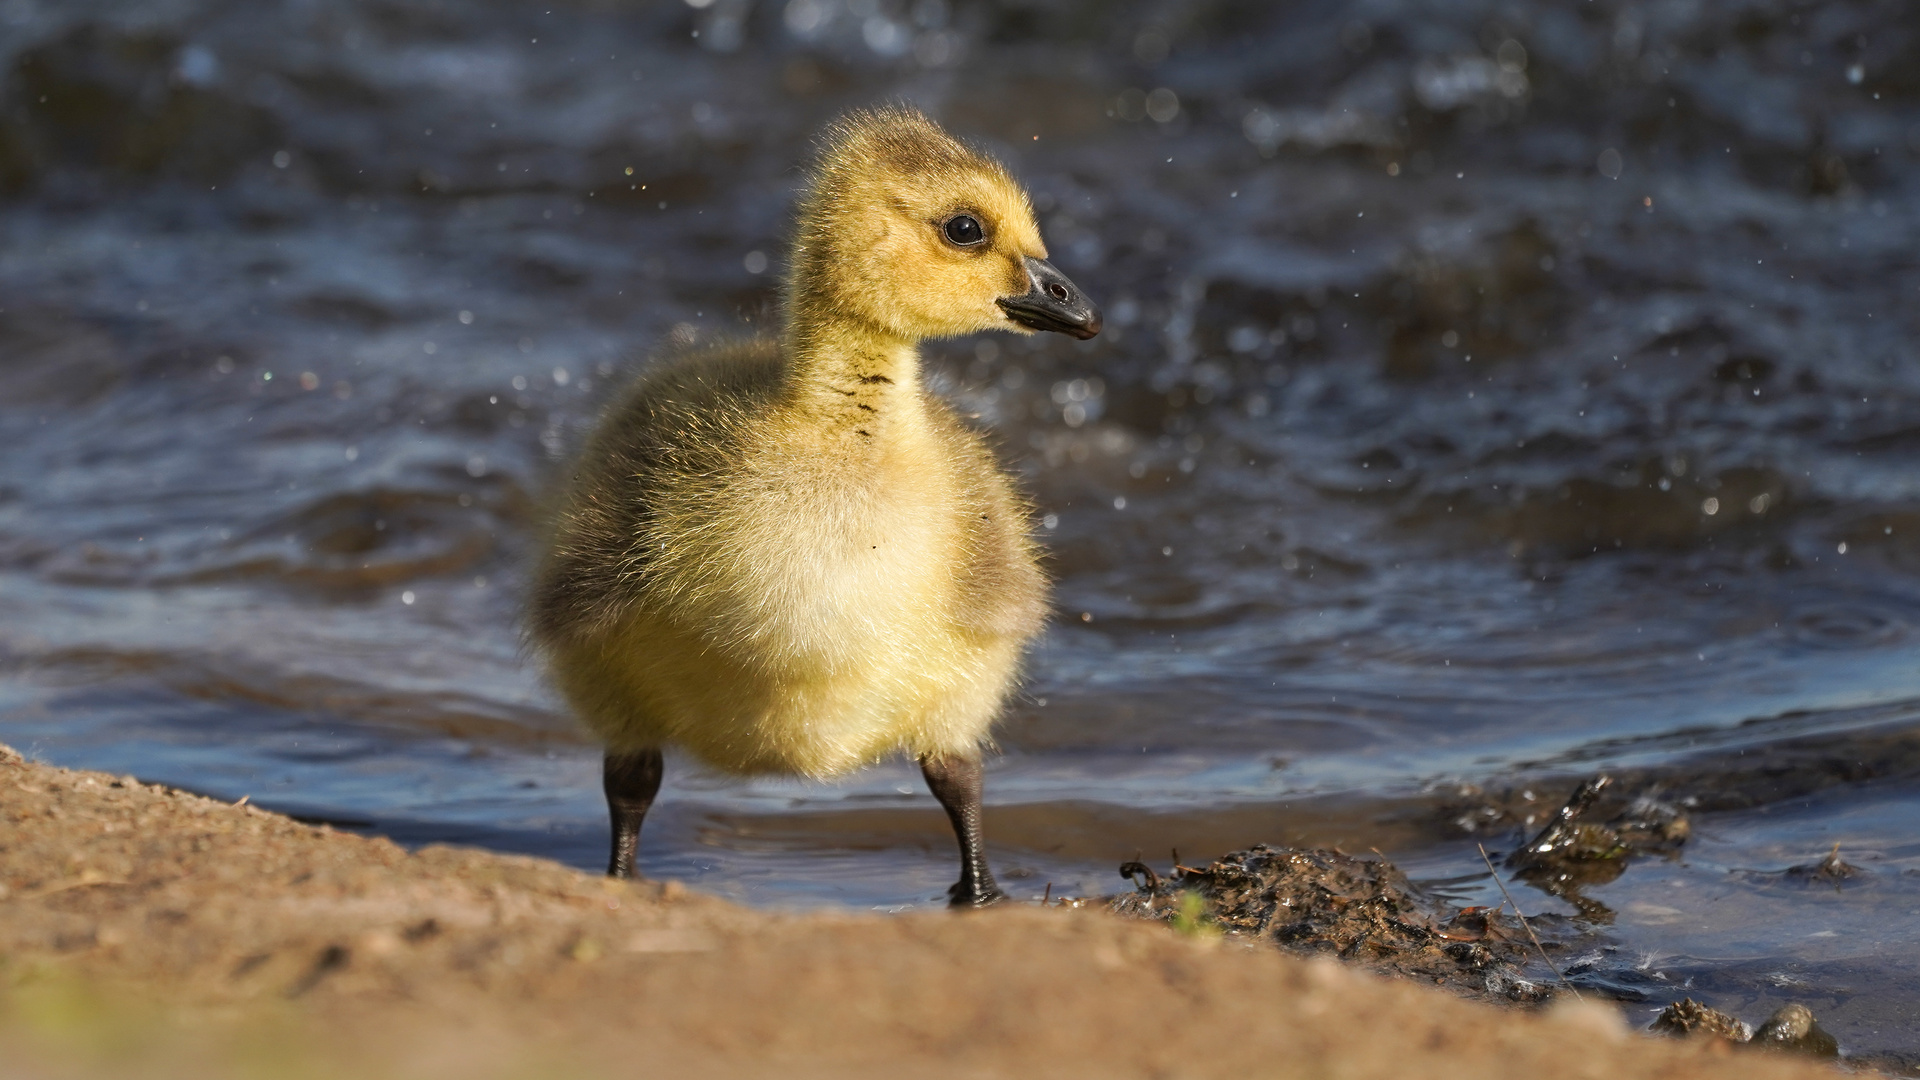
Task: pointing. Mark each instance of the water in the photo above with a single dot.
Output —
(1424, 463)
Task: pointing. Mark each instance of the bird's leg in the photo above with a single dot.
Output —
(955, 781)
(632, 779)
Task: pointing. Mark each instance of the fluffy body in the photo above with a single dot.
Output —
(784, 555)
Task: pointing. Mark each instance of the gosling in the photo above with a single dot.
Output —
(784, 555)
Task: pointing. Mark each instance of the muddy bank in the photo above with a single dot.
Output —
(146, 931)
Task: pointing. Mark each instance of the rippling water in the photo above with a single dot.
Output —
(1494, 394)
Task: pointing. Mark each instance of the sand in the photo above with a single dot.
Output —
(146, 931)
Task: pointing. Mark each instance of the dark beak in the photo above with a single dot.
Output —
(1053, 303)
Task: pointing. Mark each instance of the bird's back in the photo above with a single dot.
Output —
(679, 426)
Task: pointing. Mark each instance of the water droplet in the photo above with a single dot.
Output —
(1162, 106)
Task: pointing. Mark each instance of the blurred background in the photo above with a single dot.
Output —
(1495, 393)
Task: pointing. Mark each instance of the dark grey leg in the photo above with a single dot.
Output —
(632, 779)
(955, 781)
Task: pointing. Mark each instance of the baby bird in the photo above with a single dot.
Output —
(785, 555)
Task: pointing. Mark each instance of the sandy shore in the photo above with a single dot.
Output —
(150, 932)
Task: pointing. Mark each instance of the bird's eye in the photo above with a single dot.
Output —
(964, 230)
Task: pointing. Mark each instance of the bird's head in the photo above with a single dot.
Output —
(909, 230)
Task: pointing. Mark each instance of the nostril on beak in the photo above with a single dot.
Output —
(1051, 302)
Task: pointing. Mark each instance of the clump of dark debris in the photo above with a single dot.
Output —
(1366, 910)
(1688, 1018)
(1832, 870)
(1644, 827)
(1791, 1027)
(1570, 854)
(1359, 909)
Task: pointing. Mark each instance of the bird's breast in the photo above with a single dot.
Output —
(826, 568)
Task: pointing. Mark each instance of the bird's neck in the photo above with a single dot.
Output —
(844, 373)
